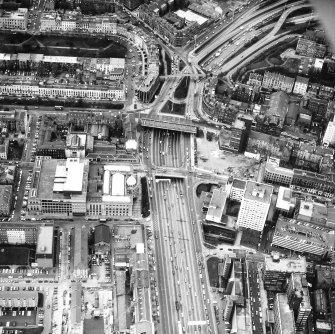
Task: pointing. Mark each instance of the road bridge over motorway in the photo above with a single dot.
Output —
(169, 123)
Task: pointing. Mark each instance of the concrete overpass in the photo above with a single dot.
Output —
(169, 123)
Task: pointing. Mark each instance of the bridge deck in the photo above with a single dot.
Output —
(169, 123)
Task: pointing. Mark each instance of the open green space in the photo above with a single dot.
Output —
(63, 45)
(182, 89)
(174, 108)
(71, 102)
(213, 269)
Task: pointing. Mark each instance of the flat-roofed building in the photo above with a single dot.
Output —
(277, 270)
(283, 316)
(275, 174)
(59, 188)
(115, 197)
(216, 206)
(148, 87)
(237, 190)
(18, 235)
(44, 249)
(80, 261)
(304, 237)
(313, 212)
(255, 206)
(285, 204)
(329, 136)
(14, 20)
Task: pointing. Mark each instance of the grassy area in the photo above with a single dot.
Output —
(168, 63)
(62, 46)
(174, 108)
(213, 265)
(68, 103)
(182, 89)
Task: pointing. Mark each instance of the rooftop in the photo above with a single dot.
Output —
(60, 179)
(191, 16)
(285, 315)
(216, 206)
(241, 184)
(285, 200)
(45, 240)
(14, 256)
(272, 165)
(19, 298)
(306, 233)
(259, 192)
(288, 265)
(301, 79)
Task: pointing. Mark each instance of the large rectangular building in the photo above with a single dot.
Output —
(255, 206)
(277, 270)
(15, 21)
(273, 173)
(313, 183)
(304, 237)
(237, 190)
(59, 188)
(44, 248)
(115, 197)
(216, 206)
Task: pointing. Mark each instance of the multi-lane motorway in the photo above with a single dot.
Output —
(183, 287)
(184, 298)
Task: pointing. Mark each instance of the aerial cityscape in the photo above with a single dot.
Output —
(167, 167)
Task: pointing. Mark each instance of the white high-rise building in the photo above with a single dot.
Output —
(255, 206)
(329, 136)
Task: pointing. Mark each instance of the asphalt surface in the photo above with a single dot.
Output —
(255, 298)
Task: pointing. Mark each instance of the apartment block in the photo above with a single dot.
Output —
(18, 88)
(303, 237)
(313, 183)
(277, 81)
(255, 206)
(15, 21)
(237, 190)
(301, 85)
(255, 79)
(286, 203)
(275, 174)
